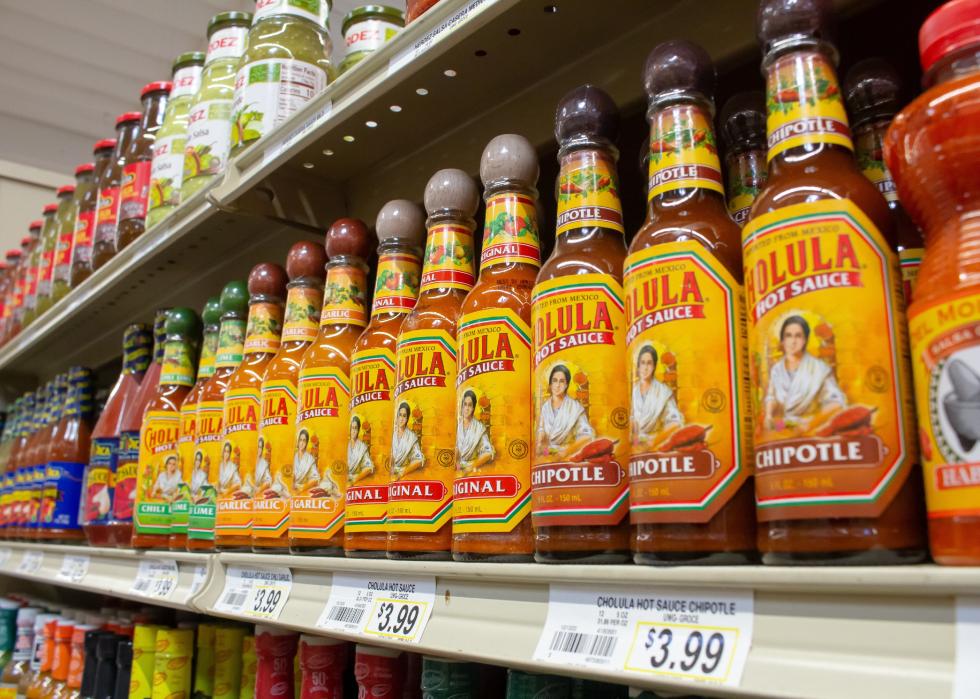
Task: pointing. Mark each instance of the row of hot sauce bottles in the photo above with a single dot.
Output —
(608, 400)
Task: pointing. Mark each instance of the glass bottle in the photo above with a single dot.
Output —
(38, 265)
(29, 309)
(17, 461)
(366, 29)
(61, 274)
(109, 190)
(49, 245)
(10, 292)
(54, 405)
(87, 196)
(20, 283)
(275, 649)
(743, 130)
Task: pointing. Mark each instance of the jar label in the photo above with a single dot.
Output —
(448, 258)
(268, 92)
(134, 191)
(742, 193)
(946, 351)
(492, 488)
(588, 193)
(44, 273)
(231, 344)
(234, 473)
(82, 244)
(870, 157)
(208, 139)
(106, 213)
(274, 463)
(423, 440)
(62, 256)
(211, 462)
(30, 299)
(167, 171)
(178, 364)
(186, 82)
(99, 481)
(683, 151)
(829, 359)
(372, 373)
(192, 472)
(302, 314)
(313, 10)
(264, 328)
(62, 495)
(345, 297)
(125, 480)
(396, 288)
(690, 424)
(369, 35)
(227, 42)
(159, 475)
(510, 231)
(581, 442)
(910, 259)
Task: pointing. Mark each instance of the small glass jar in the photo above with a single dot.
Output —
(87, 196)
(367, 29)
(61, 276)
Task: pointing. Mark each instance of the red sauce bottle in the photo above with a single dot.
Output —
(275, 650)
(323, 665)
(54, 405)
(110, 189)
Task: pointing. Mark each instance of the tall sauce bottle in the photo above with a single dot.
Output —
(835, 452)
(743, 130)
(88, 200)
(10, 298)
(423, 441)
(17, 455)
(581, 443)
(159, 476)
(492, 488)
(401, 229)
(319, 467)
(107, 210)
(30, 497)
(272, 478)
(191, 471)
(35, 265)
(49, 246)
(61, 274)
(12, 327)
(931, 150)
(54, 405)
(27, 277)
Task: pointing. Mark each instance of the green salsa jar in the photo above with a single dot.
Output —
(209, 121)
(286, 64)
(49, 246)
(167, 170)
(367, 29)
(61, 275)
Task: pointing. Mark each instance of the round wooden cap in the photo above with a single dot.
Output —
(306, 259)
(403, 219)
(348, 236)
(267, 278)
(509, 157)
(679, 65)
(451, 189)
(784, 19)
(586, 111)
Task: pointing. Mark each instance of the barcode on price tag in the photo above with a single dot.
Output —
(255, 592)
(689, 634)
(74, 568)
(156, 577)
(391, 607)
(31, 562)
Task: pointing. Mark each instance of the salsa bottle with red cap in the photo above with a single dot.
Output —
(36, 265)
(110, 184)
(49, 242)
(87, 196)
(24, 274)
(61, 274)
(12, 259)
(134, 188)
(931, 149)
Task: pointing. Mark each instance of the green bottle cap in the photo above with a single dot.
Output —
(222, 18)
(183, 322)
(528, 685)
(189, 58)
(211, 313)
(448, 679)
(234, 298)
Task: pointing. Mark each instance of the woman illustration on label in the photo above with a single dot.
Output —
(199, 475)
(406, 450)
(799, 383)
(306, 476)
(359, 464)
(264, 485)
(563, 425)
(654, 407)
(473, 447)
(229, 479)
(167, 482)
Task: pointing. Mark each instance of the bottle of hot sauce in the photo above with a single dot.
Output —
(581, 443)
(35, 265)
(99, 479)
(127, 462)
(17, 463)
(107, 209)
(81, 249)
(54, 405)
(743, 130)
(401, 230)
(242, 408)
(28, 459)
(49, 246)
(492, 489)
(931, 150)
(192, 475)
(20, 284)
(319, 465)
(277, 429)
(691, 495)
(835, 453)
(423, 441)
(159, 476)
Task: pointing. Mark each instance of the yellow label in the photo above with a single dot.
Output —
(492, 489)
(227, 661)
(423, 440)
(746, 176)
(910, 259)
(448, 258)
(158, 476)
(396, 288)
(831, 390)
(588, 193)
(690, 425)
(581, 436)
(178, 364)
(345, 296)
(274, 464)
(180, 508)
(683, 151)
(372, 375)
(231, 344)
(946, 362)
(209, 348)
(302, 314)
(264, 328)
(804, 104)
(510, 231)
(234, 476)
(208, 456)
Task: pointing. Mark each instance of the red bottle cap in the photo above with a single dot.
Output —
(164, 85)
(104, 143)
(50, 209)
(951, 27)
(83, 168)
(128, 116)
(35, 224)
(13, 252)
(65, 189)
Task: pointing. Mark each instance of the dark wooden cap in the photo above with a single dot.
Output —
(587, 111)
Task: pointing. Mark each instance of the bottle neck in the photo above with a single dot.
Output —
(126, 133)
(209, 350)
(136, 352)
(746, 171)
(102, 159)
(159, 337)
(264, 329)
(588, 193)
(178, 362)
(396, 288)
(304, 302)
(447, 263)
(231, 342)
(869, 139)
(154, 105)
(510, 229)
(78, 403)
(345, 293)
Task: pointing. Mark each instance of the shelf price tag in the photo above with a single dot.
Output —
(74, 568)
(31, 562)
(257, 592)
(381, 606)
(156, 577)
(5, 554)
(299, 132)
(966, 680)
(671, 633)
(424, 43)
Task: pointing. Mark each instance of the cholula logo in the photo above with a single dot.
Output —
(663, 298)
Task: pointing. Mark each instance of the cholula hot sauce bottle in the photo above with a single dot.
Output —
(691, 497)
(743, 130)
(492, 489)
(579, 391)
(305, 266)
(319, 464)
(423, 441)
(401, 230)
(835, 453)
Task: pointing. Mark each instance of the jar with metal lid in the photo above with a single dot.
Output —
(286, 65)
(367, 29)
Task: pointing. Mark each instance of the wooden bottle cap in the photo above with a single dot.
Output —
(743, 120)
(211, 313)
(268, 279)
(679, 65)
(348, 236)
(234, 298)
(453, 190)
(872, 89)
(509, 157)
(306, 259)
(587, 111)
(183, 321)
(785, 19)
(403, 219)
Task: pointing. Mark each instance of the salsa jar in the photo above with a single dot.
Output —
(367, 29)
(87, 196)
(107, 207)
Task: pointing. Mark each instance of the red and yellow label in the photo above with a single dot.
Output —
(209, 458)
(82, 239)
(804, 104)
(106, 212)
(396, 288)
(233, 477)
(274, 463)
(134, 192)
(510, 233)
(683, 151)
(588, 193)
(581, 437)
(448, 258)
(372, 373)
(831, 389)
(181, 506)
(690, 423)
(264, 328)
(345, 296)
(319, 464)
(158, 476)
(423, 440)
(910, 259)
(62, 255)
(946, 363)
(492, 489)
(302, 314)
(746, 176)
